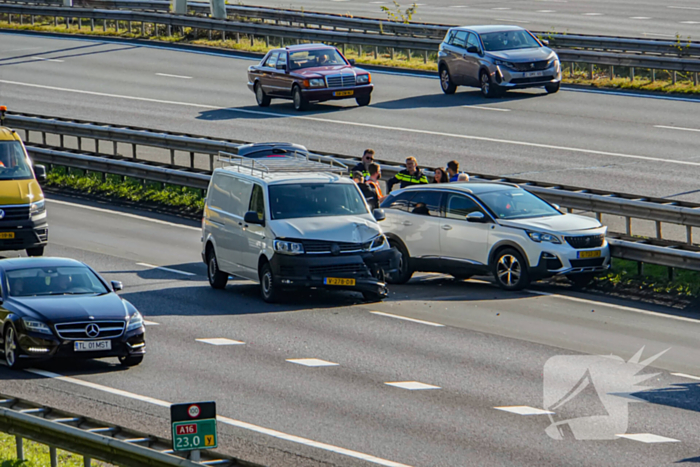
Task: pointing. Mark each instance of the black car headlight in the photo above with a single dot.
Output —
(317, 83)
(135, 322)
(36, 326)
(363, 79)
(288, 248)
(379, 242)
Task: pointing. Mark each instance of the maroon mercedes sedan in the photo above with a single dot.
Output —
(308, 73)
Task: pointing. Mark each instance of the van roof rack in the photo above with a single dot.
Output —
(292, 162)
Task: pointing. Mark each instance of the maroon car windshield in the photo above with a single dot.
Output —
(315, 58)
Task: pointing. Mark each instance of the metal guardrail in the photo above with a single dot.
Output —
(656, 251)
(94, 439)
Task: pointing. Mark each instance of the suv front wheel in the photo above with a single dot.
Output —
(488, 87)
(510, 270)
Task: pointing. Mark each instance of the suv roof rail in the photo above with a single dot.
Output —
(294, 162)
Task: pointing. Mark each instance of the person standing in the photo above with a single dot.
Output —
(375, 173)
(367, 190)
(363, 165)
(440, 175)
(412, 175)
(453, 171)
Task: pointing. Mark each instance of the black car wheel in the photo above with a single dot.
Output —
(364, 100)
(217, 278)
(300, 103)
(552, 88)
(260, 96)
(36, 251)
(131, 360)
(405, 271)
(12, 349)
(446, 83)
(488, 88)
(510, 270)
(268, 288)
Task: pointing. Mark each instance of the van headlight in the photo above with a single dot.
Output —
(379, 242)
(36, 326)
(543, 237)
(288, 248)
(37, 208)
(135, 322)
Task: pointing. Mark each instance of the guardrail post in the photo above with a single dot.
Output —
(376, 52)
(218, 9)
(33, 25)
(590, 71)
(170, 30)
(695, 78)
(104, 25)
(97, 146)
(143, 29)
(133, 151)
(60, 139)
(128, 26)
(675, 77)
(658, 229)
(238, 38)
(20, 447)
(612, 72)
(343, 48)
(267, 41)
(114, 145)
(53, 456)
(92, 24)
(653, 75)
(671, 273)
(116, 25)
(172, 157)
(80, 143)
(599, 216)
(192, 160)
(632, 74)
(391, 53)
(252, 40)
(55, 21)
(87, 462)
(689, 234)
(21, 20)
(223, 36)
(211, 162)
(628, 222)
(43, 138)
(640, 268)
(80, 23)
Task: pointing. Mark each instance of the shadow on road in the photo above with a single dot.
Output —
(460, 99)
(31, 57)
(279, 109)
(684, 396)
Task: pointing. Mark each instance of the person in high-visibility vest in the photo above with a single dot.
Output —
(363, 165)
(412, 175)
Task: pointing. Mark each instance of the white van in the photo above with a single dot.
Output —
(292, 222)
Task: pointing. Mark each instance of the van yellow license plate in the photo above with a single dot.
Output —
(6, 235)
(339, 281)
(589, 254)
(343, 93)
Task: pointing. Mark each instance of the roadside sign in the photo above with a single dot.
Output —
(193, 426)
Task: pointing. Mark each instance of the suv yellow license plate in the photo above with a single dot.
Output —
(6, 235)
(343, 93)
(339, 281)
(589, 254)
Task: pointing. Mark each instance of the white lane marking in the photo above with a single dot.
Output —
(412, 385)
(17, 50)
(657, 35)
(173, 76)
(631, 94)
(546, 11)
(176, 271)
(501, 8)
(677, 128)
(683, 375)
(619, 307)
(690, 22)
(419, 321)
(683, 7)
(365, 125)
(648, 438)
(47, 59)
(313, 362)
(523, 410)
(124, 214)
(150, 323)
(459, 6)
(593, 14)
(226, 420)
(485, 108)
(511, 20)
(640, 17)
(219, 341)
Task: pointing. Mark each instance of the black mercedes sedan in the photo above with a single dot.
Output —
(58, 307)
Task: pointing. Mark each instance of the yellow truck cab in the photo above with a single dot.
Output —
(23, 222)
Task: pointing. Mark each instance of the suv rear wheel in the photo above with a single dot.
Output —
(448, 87)
(510, 270)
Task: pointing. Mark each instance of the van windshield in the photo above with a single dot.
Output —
(13, 163)
(291, 201)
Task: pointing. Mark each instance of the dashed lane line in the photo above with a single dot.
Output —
(412, 385)
(648, 438)
(219, 341)
(226, 420)
(419, 321)
(173, 76)
(683, 375)
(162, 268)
(523, 410)
(312, 362)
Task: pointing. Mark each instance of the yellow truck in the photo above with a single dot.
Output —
(23, 221)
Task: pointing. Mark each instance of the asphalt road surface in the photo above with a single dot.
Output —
(626, 143)
(474, 346)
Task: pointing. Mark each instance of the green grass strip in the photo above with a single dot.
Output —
(37, 455)
(624, 276)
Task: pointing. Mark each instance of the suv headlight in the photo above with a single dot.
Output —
(543, 237)
(135, 322)
(505, 64)
(316, 83)
(288, 248)
(37, 208)
(363, 79)
(379, 242)
(553, 61)
(36, 326)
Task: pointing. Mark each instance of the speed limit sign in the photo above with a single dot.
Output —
(193, 411)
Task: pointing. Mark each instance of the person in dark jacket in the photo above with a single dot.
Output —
(363, 165)
(367, 190)
(411, 176)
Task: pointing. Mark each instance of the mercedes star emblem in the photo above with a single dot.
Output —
(2, 214)
(92, 330)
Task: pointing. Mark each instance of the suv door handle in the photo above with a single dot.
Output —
(446, 227)
(407, 223)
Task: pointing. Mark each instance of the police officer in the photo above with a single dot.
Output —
(363, 165)
(411, 176)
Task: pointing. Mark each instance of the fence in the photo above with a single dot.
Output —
(94, 439)
(187, 160)
(302, 26)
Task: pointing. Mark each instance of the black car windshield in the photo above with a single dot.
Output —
(290, 201)
(61, 280)
(13, 163)
(516, 204)
(314, 58)
(508, 40)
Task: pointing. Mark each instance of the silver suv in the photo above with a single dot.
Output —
(496, 58)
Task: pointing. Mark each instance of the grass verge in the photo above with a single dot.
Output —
(36, 455)
(186, 200)
(661, 82)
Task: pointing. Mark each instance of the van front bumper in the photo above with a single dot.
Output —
(25, 233)
(367, 270)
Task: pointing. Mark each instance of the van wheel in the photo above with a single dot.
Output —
(448, 87)
(12, 349)
(268, 289)
(131, 360)
(405, 271)
(36, 251)
(298, 98)
(217, 278)
(510, 270)
(262, 99)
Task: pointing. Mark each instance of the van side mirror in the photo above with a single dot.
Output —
(379, 215)
(40, 172)
(251, 217)
(117, 286)
(473, 49)
(477, 217)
